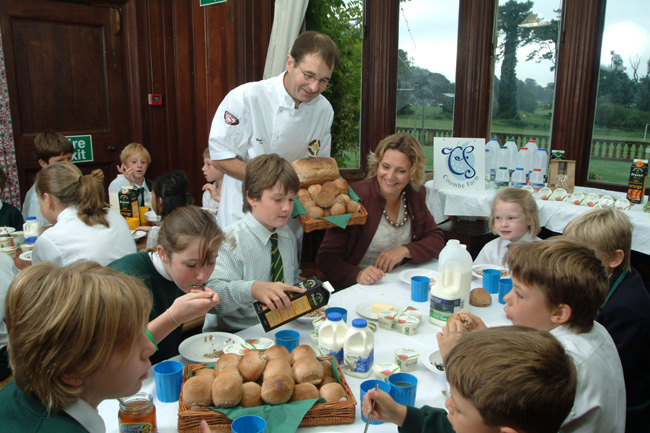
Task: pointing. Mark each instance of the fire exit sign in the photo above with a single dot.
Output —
(83, 147)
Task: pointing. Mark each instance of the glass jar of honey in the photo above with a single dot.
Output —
(137, 414)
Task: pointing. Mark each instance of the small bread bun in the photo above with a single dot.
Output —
(341, 199)
(337, 209)
(305, 391)
(352, 207)
(205, 372)
(229, 361)
(324, 199)
(197, 391)
(332, 392)
(277, 351)
(326, 380)
(331, 187)
(277, 389)
(326, 212)
(314, 190)
(465, 318)
(308, 204)
(342, 184)
(251, 366)
(308, 370)
(315, 212)
(277, 366)
(227, 389)
(251, 395)
(327, 368)
(303, 195)
(480, 297)
(302, 351)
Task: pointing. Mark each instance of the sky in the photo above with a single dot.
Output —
(433, 26)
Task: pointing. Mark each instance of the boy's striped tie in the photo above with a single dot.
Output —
(276, 260)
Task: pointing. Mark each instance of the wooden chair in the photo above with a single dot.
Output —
(474, 234)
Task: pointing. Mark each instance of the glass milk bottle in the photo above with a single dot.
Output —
(331, 337)
(359, 349)
(451, 291)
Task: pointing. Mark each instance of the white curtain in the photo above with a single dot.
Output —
(288, 17)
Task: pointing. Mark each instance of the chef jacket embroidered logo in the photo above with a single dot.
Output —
(460, 161)
(314, 147)
(230, 119)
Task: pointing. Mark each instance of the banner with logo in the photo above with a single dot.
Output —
(459, 163)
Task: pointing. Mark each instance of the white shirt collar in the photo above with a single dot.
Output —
(158, 264)
(85, 415)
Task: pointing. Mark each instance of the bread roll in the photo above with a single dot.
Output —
(314, 190)
(308, 204)
(251, 395)
(326, 380)
(315, 212)
(251, 366)
(352, 207)
(305, 391)
(341, 199)
(326, 212)
(277, 352)
(327, 368)
(332, 392)
(205, 372)
(331, 187)
(307, 370)
(227, 361)
(480, 297)
(465, 318)
(324, 199)
(302, 351)
(343, 185)
(197, 391)
(278, 366)
(309, 169)
(337, 209)
(303, 195)
(227, 389)
(277, 389)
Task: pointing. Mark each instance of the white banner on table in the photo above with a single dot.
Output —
(459, 163)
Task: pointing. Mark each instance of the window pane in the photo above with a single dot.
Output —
(428, 34)
(622, 120)
(524, 81)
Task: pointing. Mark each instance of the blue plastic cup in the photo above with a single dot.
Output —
(169, 377)
(403, 387)
(491, 279)
(420, 288)
(367, 386)
(342, 311)
(288, 338)
(505, 285)
(248, 424)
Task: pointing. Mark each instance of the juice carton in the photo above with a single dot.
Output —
(638, 178)
(128, 199)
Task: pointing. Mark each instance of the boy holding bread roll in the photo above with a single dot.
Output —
(244, 272)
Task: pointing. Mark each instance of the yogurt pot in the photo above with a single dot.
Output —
(314, 341)
(407, 324)
(387, 319)
(384, 369)
(10, 251)
(318, 322)
(5, 241)
(26, 247)
(406, 359)
(18, 237)
(412, 311)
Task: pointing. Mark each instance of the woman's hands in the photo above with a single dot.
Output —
(386, 409)
(391, 258)
(273, 294)
(370, 275)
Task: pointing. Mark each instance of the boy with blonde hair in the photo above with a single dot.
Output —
(135, 161)
(214, 179)
(504, 379)
(558, 285)
(626, 310)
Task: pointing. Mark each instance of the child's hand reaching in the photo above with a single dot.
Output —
(386, 409)
(127, 172)
(214, 192)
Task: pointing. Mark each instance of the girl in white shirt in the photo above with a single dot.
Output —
(84, 228)
(514, 217)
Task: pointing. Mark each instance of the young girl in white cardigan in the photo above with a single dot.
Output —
(514, 218)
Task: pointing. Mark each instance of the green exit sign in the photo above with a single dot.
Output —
(83, 147)
(210, 2)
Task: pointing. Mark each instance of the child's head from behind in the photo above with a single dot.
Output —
(170, 191)
(556, 281)
(269, 188)
(514, 214)
(606, 231)
(3, 178)
(51, 147)
(509, 377)
(136, 157)
(77, 332)
(188, 244)
(210, 172)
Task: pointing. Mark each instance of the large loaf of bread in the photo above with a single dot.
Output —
(316, 169)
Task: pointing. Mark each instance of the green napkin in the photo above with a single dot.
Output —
(338, 220)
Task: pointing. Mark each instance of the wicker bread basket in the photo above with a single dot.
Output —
(342, 412)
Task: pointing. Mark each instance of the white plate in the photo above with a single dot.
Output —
(310, 319)
(6, 230)
(151, 216)
(26, 256)
(429, 358)
(198, 347)
(477, 270)
(138, 234)
(250, 344)
(407, 275)
(364, 309)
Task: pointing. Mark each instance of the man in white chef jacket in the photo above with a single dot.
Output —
(286, 115)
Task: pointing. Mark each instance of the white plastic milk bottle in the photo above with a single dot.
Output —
(331, 337)
(32, 227)
(359, 349)
(451, 291)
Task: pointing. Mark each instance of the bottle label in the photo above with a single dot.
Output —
(518, 184)
(441, 309)
(336, 353)
(359, 363)
(144, 427)
(502, 183)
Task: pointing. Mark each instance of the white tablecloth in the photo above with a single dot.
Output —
(552, 214)
(390, 290)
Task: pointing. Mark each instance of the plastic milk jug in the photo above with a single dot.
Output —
(493, 145)
(512, 152)
(489, 174)
(113, 198)
(532, 150)
(32, 227)
(359, 349)
(451, 291)
(537, 179)
(503, 178)
(540, 161)
(519, 178)
(331, 337)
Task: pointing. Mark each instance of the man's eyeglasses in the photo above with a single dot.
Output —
(309, 77)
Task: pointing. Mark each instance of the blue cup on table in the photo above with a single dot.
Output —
(342, 311)
(248, 424)
(169, 377)
(366, 386)
(403, 387)
(420, 288)
(288, 338)
(505, 285)
(491, 279)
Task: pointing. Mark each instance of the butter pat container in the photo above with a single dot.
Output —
(407, 324)
(384, 369)
(316, 295)
(407, 359)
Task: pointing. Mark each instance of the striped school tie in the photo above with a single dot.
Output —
(276, 260)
